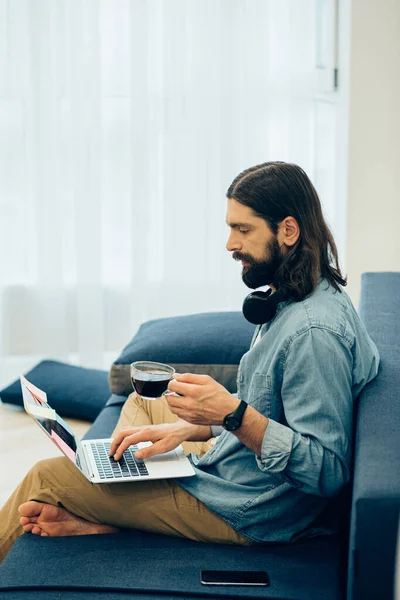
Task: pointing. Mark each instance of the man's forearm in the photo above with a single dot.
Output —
(252, 430)
(196, 433)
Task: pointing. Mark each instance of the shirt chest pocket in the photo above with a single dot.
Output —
(260, 392)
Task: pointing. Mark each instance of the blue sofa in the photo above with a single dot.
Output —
(357, 564)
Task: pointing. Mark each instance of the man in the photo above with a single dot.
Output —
(287, 449)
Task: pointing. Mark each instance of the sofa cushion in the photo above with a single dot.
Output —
(147, 564)
(72, 391)
(210, 343)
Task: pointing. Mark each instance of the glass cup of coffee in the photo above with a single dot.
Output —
(150, 379)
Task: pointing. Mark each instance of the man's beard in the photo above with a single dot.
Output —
(263, 272)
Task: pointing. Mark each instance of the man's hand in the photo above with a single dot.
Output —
(202, 400)
(165, 437)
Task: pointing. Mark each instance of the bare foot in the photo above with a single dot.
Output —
(47, 520)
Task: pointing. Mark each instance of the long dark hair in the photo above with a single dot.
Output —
(274, 191)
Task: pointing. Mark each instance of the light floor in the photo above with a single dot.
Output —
(22, 444)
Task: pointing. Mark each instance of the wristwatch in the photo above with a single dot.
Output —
(233, 421)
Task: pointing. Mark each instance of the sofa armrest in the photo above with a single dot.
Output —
(115, 400)
(108, 418)
(376, 489)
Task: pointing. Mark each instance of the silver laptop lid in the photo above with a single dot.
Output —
(35, 403)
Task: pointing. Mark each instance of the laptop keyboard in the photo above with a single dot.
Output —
(109, 468)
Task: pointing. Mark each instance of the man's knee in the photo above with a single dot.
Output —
(137, 400)
(46, 469)
(136, 409)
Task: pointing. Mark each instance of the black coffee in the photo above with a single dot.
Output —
(151, 384)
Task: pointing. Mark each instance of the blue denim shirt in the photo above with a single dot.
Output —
(308, 367)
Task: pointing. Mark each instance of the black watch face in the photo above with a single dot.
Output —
(231, 423)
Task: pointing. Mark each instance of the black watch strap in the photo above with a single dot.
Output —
(233, 421)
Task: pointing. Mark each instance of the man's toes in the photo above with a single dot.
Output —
(30, 509)
(28, 527)
(25, 520)
(36, 530)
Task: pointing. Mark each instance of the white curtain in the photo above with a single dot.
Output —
(122, 124)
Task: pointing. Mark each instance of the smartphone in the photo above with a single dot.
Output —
(234, 578)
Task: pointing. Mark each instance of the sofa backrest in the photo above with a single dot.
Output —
(376, 482)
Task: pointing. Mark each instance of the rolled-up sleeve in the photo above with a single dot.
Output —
(312, 451)
(216, 430)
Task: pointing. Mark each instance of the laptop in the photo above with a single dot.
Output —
(91, 457)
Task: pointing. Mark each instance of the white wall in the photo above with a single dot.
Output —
(373, 167)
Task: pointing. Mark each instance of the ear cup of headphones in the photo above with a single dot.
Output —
(260, 307)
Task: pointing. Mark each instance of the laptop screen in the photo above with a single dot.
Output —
(35, 403)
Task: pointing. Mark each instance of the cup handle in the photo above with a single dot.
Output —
(168, 392)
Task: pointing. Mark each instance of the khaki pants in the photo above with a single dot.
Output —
(159, 506)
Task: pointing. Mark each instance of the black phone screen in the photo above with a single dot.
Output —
(234, 578)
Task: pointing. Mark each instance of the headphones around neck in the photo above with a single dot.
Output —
(260, 307)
